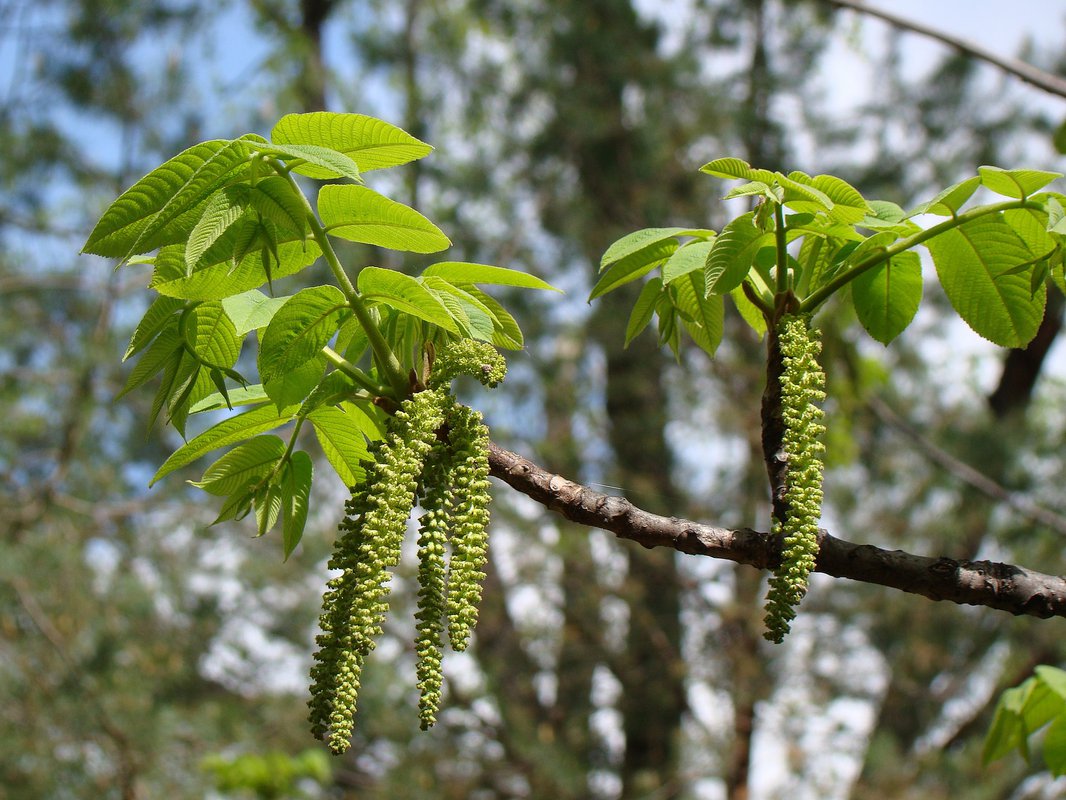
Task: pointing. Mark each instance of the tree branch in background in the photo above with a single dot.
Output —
(982, 583)
(1050, 83)
(967, 474)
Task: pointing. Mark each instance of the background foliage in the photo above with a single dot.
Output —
(141, 650)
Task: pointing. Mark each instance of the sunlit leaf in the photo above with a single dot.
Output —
(317, 161)
(405, 294)
(371, 143)
(702, 316)
(886, 298)
(975, 264)
(296, 496)
(686, 259)
(158, 316)
(235, 429)
(359, 214)
(342, 438)
(244, 465)
(733, 254)
(1016, 183)
(459, 272)
(643, 309)
(252, 310)
(300, 329)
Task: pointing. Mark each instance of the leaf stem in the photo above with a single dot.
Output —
(352, 371)
(881, 256)
(386, 358)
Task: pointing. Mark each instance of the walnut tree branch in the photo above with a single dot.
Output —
(1027, 72)
(981, 583)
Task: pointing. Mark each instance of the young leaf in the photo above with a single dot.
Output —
(405, 294)
(218, 280)
(369, 142)
(686, 259)
(948, 202)
(299, 330)
(886, 297)
(244, 465)
(702, 316)
(295, 385)
(735, 168)
(163, 351)
(506, 332)
(157, 317)
(651, 240)
(275, 199)
(220, 212)
(849, 206)
(975, 263)
(749, 311)
(241, 396)
(251, 310)
(267, 507)
(640, 317)
(216, 340)
(324, 162)
(473, 319)
(296, 496)
(235, 429)
(733, 253)
(633, 266)
(460, 272)
(1016, 183)
(342, 438)
(359, 214)
(140, 220)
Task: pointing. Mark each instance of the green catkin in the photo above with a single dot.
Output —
(802, 386)
(450, 475)
(469, 440)
(436, 503)
(371, 536)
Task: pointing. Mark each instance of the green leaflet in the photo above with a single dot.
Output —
(701, 315)
(359, 214)
(317, 161)
(221, 211)
(295, 385)
(634, 265)
(235, 429)
(155, 210)
(295, 499)
(1016, 183)
(163, 350)
(733, 254)
(343, 440)
(975, 263)
(371, 143)
(252, 310)
(460, 272)
(736, 168)
(216, 340)
(506, 332)
(299, 330)
(648, 239)
(246, 464)
(686, 259)
(158, 315)
(643, 309)
(472, 317)
(241, 396)
(1022, 711)
(275, 199)
(405, 294)
(948, 202)
(887, 297)
(219, 280)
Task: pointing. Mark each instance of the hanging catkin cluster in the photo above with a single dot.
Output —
(436, 451)
(802, 386)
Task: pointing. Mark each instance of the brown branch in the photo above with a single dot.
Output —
(1047, 81)
(981, 583)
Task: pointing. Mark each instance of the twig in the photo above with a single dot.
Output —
(967, 474)
(982, 583)
(1027, 72)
